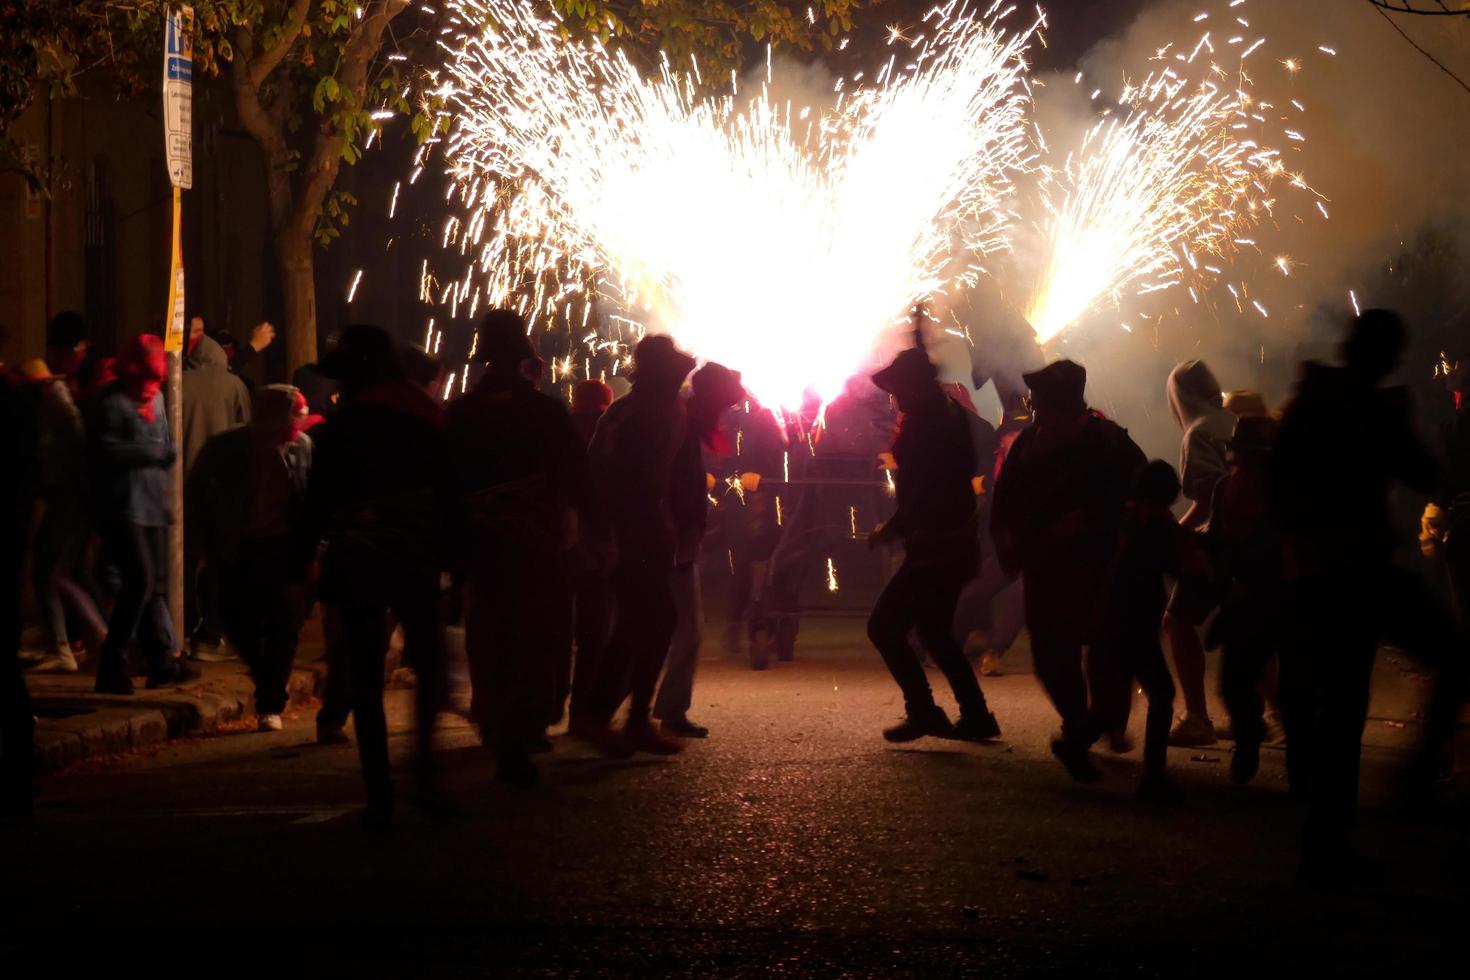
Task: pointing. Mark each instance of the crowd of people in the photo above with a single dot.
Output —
(566, 540)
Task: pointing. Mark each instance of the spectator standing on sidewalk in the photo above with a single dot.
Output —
(133, 452)
(245, 494)
(215, 401)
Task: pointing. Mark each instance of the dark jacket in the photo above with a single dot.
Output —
(214, 399)
(1042, 484)
(131, 460)
(218, 491)
(379, 496)
(632, 455)
(935, 515)
(63, 447)
(1343, 445)
(1151, 545)
(519, 466)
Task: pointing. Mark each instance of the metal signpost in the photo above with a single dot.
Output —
(178, 137)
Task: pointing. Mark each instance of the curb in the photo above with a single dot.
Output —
(74, 727)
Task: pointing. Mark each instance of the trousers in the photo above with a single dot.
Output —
(141, 611)
(676, 691)
(644, 617)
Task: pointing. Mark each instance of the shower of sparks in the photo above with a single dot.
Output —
(356, 281)
(781, 240)
(1176, 175)
(831, 576)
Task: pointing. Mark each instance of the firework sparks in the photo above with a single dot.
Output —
(743, 228)
(1177, 175)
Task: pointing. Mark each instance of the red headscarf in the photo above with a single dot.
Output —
(141, 367)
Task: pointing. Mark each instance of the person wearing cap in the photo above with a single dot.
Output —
(61, 534)
(521, 470)
(1253, 625)
(713, 390)
(632, 455)
(378, 509)
(935, 522)
(1345, 441)
(1055, 519)
(245, 495)
(133, 452)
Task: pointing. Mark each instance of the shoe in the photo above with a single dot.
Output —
(1075, 758)
(113, 682)
(640, 736)
(1119, 743)
(990, 664)
(1156, 792)
(761, 643)
(1194, 731)
(518, 771)
(1275, 731)
(682, 728)
(269, 723)
(914, 727)
(178, 672)
(602, 737)
(63, 661)
(976, 728)
(205, 652)
(1245, 763)
(30, 658)
(332, 735)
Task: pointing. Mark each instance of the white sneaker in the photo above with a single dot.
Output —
(270, 723)
(1195, 731)
(63, 661)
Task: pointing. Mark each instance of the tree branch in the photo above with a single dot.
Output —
(1436, 62)
(262, 67)
(1443, 11)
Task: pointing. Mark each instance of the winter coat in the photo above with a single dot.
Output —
(379, 496)
(935, 454)
(519, 465)
(214, 399)
(1196, 402)
(1342, 446)
(632, 455)
(63, 448)
(219, 489)
(131, 460)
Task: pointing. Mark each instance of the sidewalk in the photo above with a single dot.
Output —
(74, 724)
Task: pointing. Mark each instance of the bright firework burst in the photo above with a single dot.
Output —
(778, 239)
(1179, 174)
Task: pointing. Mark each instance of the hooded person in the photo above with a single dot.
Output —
(245, 497)
(1198, 407)
(379, 511)
(215, 401)
(1346, 439)
(1055, 519)
(713, 389)
(521, 470)
(632, 456)
(132, 454)
(935, 522)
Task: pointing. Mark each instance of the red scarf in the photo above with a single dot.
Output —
(141, 367)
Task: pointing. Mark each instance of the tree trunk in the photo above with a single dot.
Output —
(297, 267)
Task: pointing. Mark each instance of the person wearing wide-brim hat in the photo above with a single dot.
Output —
(632, 455)
(1058, 507)
(935, 523)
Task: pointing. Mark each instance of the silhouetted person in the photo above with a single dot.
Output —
(592, 616)
(714, 389)
(1055, 519)
(522, 473)
(1254, 624)
(245, 494)
(750, 522)
(215, 401)
(57, 566)
(133, 452)
(1345, 441)
(18, 443)
(1197, 403)
(67, 348)
(632, 456)
(935, 523)
(379, 500)
(247, 360)
(1126, 645)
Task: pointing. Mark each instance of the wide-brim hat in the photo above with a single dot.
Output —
(363, 351)
(656, 360)
(1061, 384)
(909, 370)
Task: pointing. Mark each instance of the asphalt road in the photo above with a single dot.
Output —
(793, 842)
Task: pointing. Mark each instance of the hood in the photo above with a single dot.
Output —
(207, 353)
(1194, 393)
